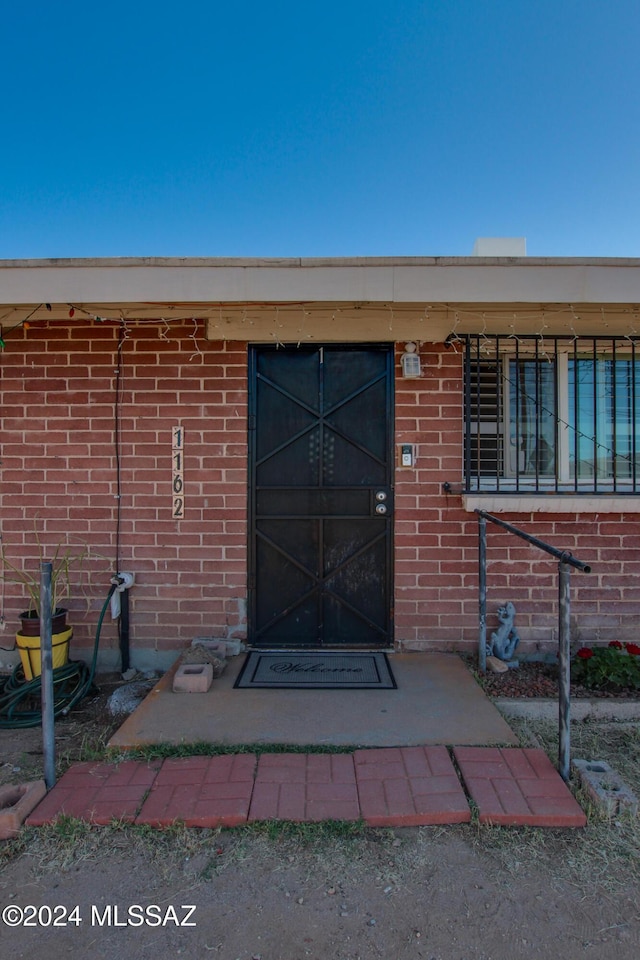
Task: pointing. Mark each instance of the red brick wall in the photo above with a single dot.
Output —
(436, 551)
(59, 475)
(437, 542)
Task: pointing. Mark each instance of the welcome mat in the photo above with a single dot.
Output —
(316, 671)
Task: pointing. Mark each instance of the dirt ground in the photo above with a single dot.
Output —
(323, 892)
(432, 893)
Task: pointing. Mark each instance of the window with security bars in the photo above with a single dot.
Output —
(552, 415)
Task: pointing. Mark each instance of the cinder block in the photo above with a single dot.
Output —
(218, 647)
(234, 647)
(16, 803)
(606, 788)
(221, 648)
(193, 678)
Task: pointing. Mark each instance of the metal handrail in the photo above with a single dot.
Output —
(566, 561)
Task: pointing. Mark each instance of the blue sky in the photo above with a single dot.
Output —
(361, 127)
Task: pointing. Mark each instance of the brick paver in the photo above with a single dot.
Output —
(298, 786)
(514, 786)
(401, 786)
(201, 792)
(97, 792)
(409, 786)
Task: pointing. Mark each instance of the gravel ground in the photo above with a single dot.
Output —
(540, 679)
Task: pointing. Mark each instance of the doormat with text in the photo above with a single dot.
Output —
(316, 671)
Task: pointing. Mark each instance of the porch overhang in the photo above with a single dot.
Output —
(353, 299)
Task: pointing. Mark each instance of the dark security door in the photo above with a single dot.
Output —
(321, 497)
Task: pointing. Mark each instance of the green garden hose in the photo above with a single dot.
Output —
(20, 699)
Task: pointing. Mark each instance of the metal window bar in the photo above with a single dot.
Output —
(566, 561)
(517, 411)
(576, 444)
(504, 443)
(614, 417)
(556, 422)
(467, 413)
(499, 439)
(537, 409)
(595, 416)
(634, 465)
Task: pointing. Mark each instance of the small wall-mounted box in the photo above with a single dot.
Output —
(406, 456)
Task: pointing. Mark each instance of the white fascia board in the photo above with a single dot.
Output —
(401, 280)
(519, 283)
(169, 284)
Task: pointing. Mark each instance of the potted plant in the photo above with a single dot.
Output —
(28, 637)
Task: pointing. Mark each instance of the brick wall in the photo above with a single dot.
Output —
(437, 541)
(436, 552)
(59, 478)
(59, 474)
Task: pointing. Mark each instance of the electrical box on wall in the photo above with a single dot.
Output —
(406, 455)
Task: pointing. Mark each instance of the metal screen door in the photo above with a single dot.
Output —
(321, 496)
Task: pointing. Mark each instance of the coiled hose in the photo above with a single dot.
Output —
(20, 699)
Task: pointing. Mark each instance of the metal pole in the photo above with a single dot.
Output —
(123, 631)
(46, 677)
(482, 597)
(564, 670)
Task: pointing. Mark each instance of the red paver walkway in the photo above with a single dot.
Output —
(409, 786)
(298, 786)
(517, 787)
(97, 792)
(396, 786)
(201, 791)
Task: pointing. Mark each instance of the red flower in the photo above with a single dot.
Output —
(616, 644)
(584, 653)
(633, 648)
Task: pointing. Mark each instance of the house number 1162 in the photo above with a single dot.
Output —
(177, 472)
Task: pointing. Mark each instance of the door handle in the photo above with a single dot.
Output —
(381, 502)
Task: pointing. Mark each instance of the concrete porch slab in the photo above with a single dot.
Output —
(437, 702)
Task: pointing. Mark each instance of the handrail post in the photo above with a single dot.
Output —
(564, 670)
(482, 594)
(566, 561)
(46, 676)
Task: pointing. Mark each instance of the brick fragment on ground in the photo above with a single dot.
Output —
(17, 800)
(193, 678)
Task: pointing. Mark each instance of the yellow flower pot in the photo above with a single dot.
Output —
(29, 649)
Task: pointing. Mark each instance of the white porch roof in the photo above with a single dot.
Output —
(412, 297)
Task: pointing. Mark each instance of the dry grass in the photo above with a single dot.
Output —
(605, 855)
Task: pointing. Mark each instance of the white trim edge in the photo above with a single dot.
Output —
(548, 503)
